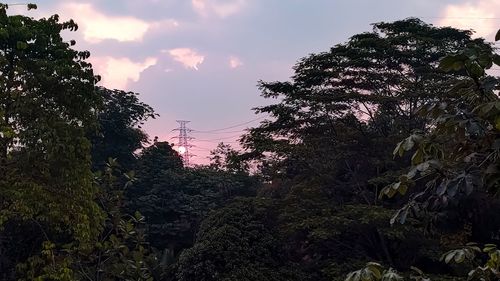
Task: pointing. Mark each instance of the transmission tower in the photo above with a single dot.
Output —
(183, 141)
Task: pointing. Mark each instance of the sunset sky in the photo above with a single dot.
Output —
(200, 60)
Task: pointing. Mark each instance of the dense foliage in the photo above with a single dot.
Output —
(379, 161)
(47, 103)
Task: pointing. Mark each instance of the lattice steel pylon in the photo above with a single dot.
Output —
(183, 142)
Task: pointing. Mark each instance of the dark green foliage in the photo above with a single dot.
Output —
(56, 223)
(237, 243)
(306, 232)
(344, 109)
(174, 199)
(47, 105)
(119, 134)
(455, 164)
(225, 158)
(121, 251)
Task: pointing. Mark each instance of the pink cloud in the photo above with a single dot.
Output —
(235, 62)
(116, 73)
(97, 26)
(473, 15)
(186, 56)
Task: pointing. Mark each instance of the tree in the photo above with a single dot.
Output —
(174, 199)
(454, 177)
(121, 251)
(225, 158)
(237, 243)
(47, 105)
(333, 130)
(456, 162)
(119, 135)
(342, 103)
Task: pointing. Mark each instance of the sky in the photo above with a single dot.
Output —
(200, 60)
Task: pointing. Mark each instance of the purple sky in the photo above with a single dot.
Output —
(200, 60)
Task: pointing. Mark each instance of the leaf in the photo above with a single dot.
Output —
(403, 189)
(398, 150)
(476, 70)
(485, 60)
(401, 215)
(417, 270)
(497, 123)
(21, 45)
(441, 189)
(408, 144)
(4, 34)
(453, 62)
(459, 257)
(418, 157)
(391, 275)
(366, 275)
(447, 63)
(449, 256)
(489, 247)
(496, 58)
(353, 276)
(376, 272)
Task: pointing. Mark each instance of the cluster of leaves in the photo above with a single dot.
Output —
(456, 159)
(57, 220)
(305, 231)
(119, 134)
(489, 271)
(359, 95)
(458, 156)
(120, 252)
(237, 243)
(47, 105)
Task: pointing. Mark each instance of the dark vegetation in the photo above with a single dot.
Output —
(381, 154)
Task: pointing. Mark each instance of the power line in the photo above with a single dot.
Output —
(217, 139)
(231, 127)
(226, 132)
(217, 142)
(202, 148)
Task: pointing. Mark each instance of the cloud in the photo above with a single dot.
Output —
(235, 62)
(168, 23)
(220, 8)
(188, 57)
(473, 15)
(97, 26)
(118, 72)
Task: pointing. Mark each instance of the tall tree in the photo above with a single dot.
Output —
(47, 105)
(456, 162)
(119, 135)
(356, 96)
